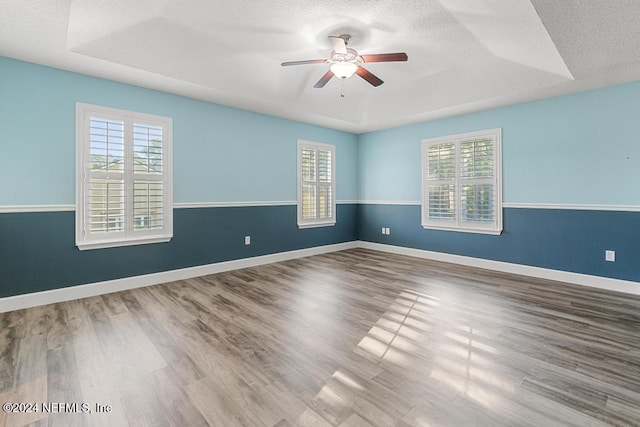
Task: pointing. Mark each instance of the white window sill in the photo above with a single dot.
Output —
(317, 224)
(102, 244)
(492, 231)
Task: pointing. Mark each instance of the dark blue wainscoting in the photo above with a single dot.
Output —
(38, 252)
(560, 239)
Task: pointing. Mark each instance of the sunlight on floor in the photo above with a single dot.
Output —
(346, 380)
(415, 328)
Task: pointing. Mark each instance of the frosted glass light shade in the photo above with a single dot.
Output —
(344, 70)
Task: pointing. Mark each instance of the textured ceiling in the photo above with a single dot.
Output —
(464, 55)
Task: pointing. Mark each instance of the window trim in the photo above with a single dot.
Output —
(311, 223)
(84, 241)
(496, 227)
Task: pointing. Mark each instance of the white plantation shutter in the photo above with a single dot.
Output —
(441, 181)
(325, 184)
(309, 187)
(462, 182)
(477, 195)
(106, 205)
(316, 184)
(148, 195)
(106, 176)
(124, 185)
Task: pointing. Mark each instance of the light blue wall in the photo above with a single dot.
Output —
(575, 149)
(221, 154)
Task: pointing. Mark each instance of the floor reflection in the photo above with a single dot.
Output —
(418, 333)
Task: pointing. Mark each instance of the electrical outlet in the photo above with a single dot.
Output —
(388, 231)
(247, 240)
(610, 256)
(384, 230)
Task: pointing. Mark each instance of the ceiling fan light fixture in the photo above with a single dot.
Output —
(345, 62)
(344, 70)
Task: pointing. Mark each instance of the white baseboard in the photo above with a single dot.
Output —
(93, 289)
(524, 270)
(19, 302)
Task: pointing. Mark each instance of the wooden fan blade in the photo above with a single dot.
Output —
(309, 61)
(324, 79)
(369, 76)
(338, 44)
(385, 57)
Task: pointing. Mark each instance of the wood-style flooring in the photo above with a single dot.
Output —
(351, 338)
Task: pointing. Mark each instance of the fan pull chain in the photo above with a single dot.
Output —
(342, 88)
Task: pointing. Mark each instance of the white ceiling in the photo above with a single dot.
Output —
(464, 55)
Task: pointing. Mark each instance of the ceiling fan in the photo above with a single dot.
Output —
(346, 61)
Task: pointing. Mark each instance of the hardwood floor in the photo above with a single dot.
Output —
(352, 338)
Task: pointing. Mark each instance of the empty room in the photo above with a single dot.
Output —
(303, 213)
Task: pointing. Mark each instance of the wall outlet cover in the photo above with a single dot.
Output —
(610, 256)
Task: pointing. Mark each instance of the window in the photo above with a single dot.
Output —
(123, 178)
(316, 184)
(462, 185)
